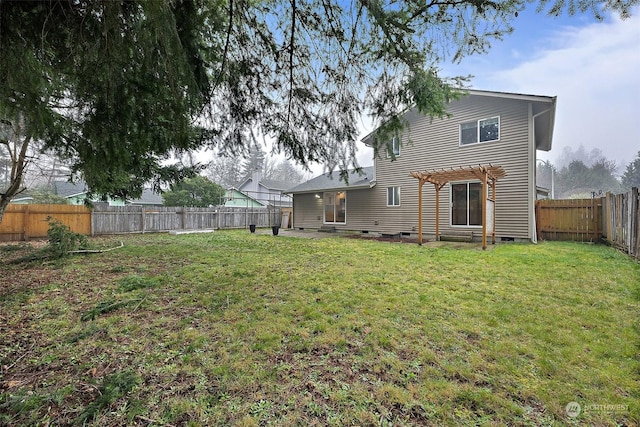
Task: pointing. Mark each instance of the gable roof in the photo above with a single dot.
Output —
(544, 113)
(148, 197)
(273, 184)
(69, 189)
(270, 184)
(236, 194)
(333, 182)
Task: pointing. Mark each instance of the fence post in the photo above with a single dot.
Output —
(634, 238)
(636, 219)
(144, 218)
(538, 220)
(25, 228)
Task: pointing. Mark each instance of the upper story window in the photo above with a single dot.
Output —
(480, 131)
(394, 147)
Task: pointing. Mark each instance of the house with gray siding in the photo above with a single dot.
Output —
(267, 192)
(483, 128)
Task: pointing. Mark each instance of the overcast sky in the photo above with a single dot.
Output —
(592, 67)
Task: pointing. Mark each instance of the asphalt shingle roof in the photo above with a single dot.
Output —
(66, 189)
(275, 185)
(332, 182)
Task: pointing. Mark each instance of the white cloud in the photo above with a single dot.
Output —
(595, 73)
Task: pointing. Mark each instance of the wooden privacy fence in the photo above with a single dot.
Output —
(139, 219)
(615, 217)
(622, 221)
(572, 219)
(22, 222)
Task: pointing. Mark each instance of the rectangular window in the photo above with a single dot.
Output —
(480, 131)
(466, 204)
(393, 147)
(393, 196)
(335, 207)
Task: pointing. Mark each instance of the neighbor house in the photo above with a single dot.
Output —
(490, 129)
(266, 191)
(76, 194)
(235, 198)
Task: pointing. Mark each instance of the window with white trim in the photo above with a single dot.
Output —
(393, 196)
(393, 147)
(466, 204)
(485, 130)
(335, 207)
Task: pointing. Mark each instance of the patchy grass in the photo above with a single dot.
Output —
(237, 328)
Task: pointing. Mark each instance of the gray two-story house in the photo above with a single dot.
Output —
(484, 128)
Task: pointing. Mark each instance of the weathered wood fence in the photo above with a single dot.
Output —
(615, 218)
(22, 222)
(622, 221)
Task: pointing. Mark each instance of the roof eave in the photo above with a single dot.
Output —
(545, 142)
(368, 139)
(320, 190)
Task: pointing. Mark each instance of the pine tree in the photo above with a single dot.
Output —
(631, 176)
(118, 87)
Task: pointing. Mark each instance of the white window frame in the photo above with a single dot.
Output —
(394, 195)
(395, 147)
(451, 184)
(478, 125)
(325, 197)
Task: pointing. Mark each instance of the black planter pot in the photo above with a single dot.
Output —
(275, 229)
(252, 228)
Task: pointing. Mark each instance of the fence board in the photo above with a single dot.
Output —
(577, 220)
(139, 219)
(23, 222)
(622, 227)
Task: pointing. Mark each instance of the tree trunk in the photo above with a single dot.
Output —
(18, 146)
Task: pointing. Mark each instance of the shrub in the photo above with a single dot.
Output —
(62, 240)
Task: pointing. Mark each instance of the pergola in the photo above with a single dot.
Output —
(488, 175)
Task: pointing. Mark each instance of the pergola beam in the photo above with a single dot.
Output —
(488, 175)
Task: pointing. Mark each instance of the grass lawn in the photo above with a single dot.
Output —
(233, 328)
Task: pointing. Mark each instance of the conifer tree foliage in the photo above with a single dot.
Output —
(118, 86)
(631, 175)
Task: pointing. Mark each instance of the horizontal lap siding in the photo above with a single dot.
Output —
(434, 144)
(308, 211)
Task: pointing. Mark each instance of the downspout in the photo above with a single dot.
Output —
(532, 174)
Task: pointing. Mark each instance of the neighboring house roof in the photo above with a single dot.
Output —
(148, 197)
(273, 184)
(543, 114)
(270, 184)
(234, 194)
(69, 189)
(333, 182)
(22, 200)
